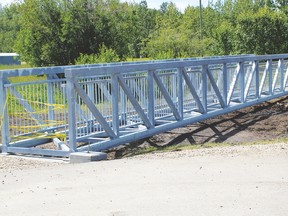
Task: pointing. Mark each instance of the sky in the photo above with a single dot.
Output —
(181, 4)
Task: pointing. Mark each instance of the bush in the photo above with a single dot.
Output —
(106, 55)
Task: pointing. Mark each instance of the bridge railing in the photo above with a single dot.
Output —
(149, 98)
(96, 107)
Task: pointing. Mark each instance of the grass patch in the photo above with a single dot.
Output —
(12, 67)
(137, 59)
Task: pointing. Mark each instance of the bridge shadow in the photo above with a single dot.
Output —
(224, 128)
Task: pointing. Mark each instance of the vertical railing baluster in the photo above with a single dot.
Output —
(91, 93)
(174, 87)
(51, 101)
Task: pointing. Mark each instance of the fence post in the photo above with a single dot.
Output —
(4, 119)
(115, 108)
(71, 113)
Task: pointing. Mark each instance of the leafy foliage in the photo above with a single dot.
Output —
(60, 32)
(105, 56)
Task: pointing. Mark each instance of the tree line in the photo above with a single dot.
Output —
(62, 32)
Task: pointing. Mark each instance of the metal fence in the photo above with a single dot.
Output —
(96, 107)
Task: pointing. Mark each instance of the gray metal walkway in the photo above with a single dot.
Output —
(96, 107)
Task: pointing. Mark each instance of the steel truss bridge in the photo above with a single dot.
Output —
(97, 107)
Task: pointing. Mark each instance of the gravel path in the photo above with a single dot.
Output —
(12, 162)
(231, 151)
(220, 181)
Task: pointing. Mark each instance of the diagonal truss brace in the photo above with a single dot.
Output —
(264, 77)
(166, 96)
(193, 91)
(216, 89)
(233, 83)
(249, 79)
(134, 101)
(278, 70)
(285, 79)
(94, 110)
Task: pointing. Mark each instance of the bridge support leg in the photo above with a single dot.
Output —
(4, 120)
(71, 114)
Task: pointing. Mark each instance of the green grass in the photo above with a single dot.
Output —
(137, 59)
(11, 67)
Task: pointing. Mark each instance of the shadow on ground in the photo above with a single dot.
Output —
(265, 121)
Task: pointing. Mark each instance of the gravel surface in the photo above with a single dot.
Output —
(265, 149)
(12, 162)
(220, 181)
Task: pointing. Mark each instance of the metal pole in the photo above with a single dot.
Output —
(4, 119)
(201, 26)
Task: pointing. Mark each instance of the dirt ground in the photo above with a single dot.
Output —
(263, 122)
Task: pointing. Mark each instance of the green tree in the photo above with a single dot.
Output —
(9, 27)
(38, 41)
(106, 55)
(167, 41)
(264, 32)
